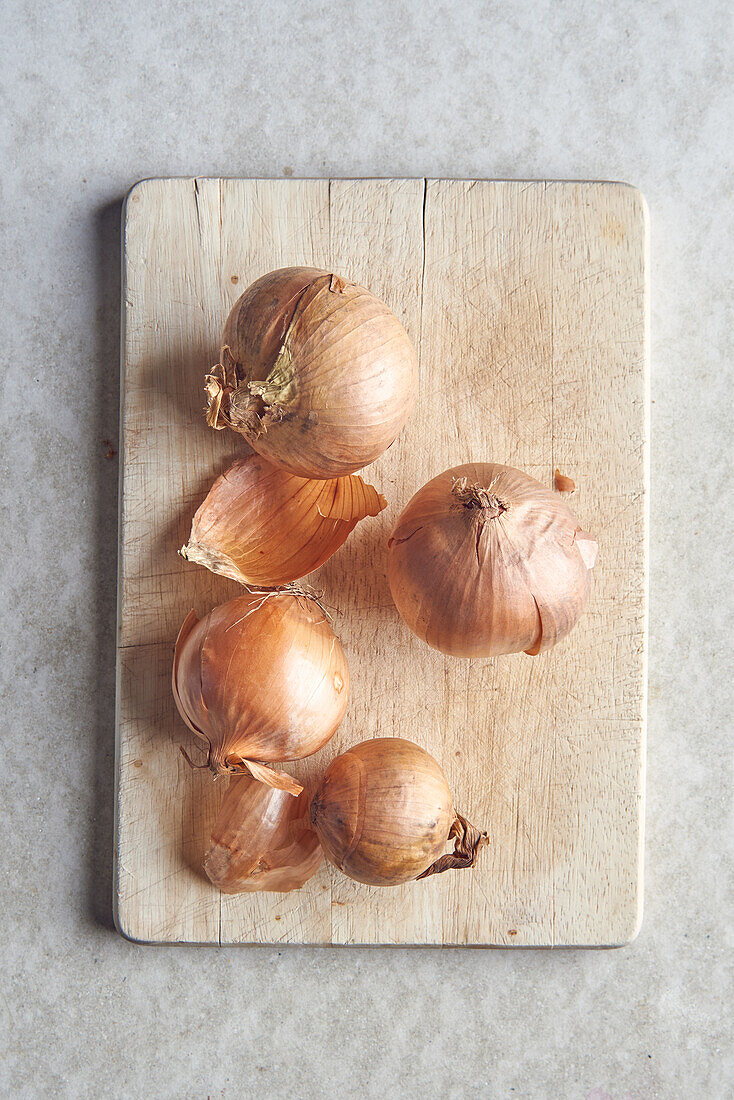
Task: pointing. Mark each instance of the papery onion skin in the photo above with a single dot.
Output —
(563, 484)
(484, 560)
(260, 678)
(262, 840)
(384, 812)
(315, 372)
(264, 527)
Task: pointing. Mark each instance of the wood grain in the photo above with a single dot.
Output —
(528, 304)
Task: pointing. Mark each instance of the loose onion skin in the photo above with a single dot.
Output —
(262, 840)
(485, 560)
(260, 678)
(384, 813)
(316, 373)
(264, 527)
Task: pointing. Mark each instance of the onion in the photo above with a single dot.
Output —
(316, 373)
(384, 813)
(262, 526)
(484, 560)
(260, 678)
(262, 840)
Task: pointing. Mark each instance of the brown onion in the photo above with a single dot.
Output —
(316, 373)
(260, 678)
(262, 840)
(485, 560)
(262, 526)
(384, 813)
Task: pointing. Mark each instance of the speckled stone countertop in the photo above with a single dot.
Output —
(98, 96)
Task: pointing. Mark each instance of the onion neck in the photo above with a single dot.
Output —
(467, 842)
(248, 406)
(476, 498)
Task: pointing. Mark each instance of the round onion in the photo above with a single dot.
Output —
(384, 813)
(261, 840)
(264, 527)
(485, 560)
(260, 678)
(316, 373)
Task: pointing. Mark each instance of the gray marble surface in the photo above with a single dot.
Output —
(97, 96)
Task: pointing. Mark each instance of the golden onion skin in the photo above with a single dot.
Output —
(264, 527)
(484, 560)
(383, 812)
(316, 373)
(261, 840)
(260, 678)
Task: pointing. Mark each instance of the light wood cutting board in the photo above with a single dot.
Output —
(528, 304)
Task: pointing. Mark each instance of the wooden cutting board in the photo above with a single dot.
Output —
(528, 303)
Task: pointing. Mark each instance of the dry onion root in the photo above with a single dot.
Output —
(262, 526)
(262, 678)
(262, 840)
(384, 813)
(485, 560)
(315, 372)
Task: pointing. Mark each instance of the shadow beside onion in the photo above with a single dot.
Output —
(354, 579)
(200, 591)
